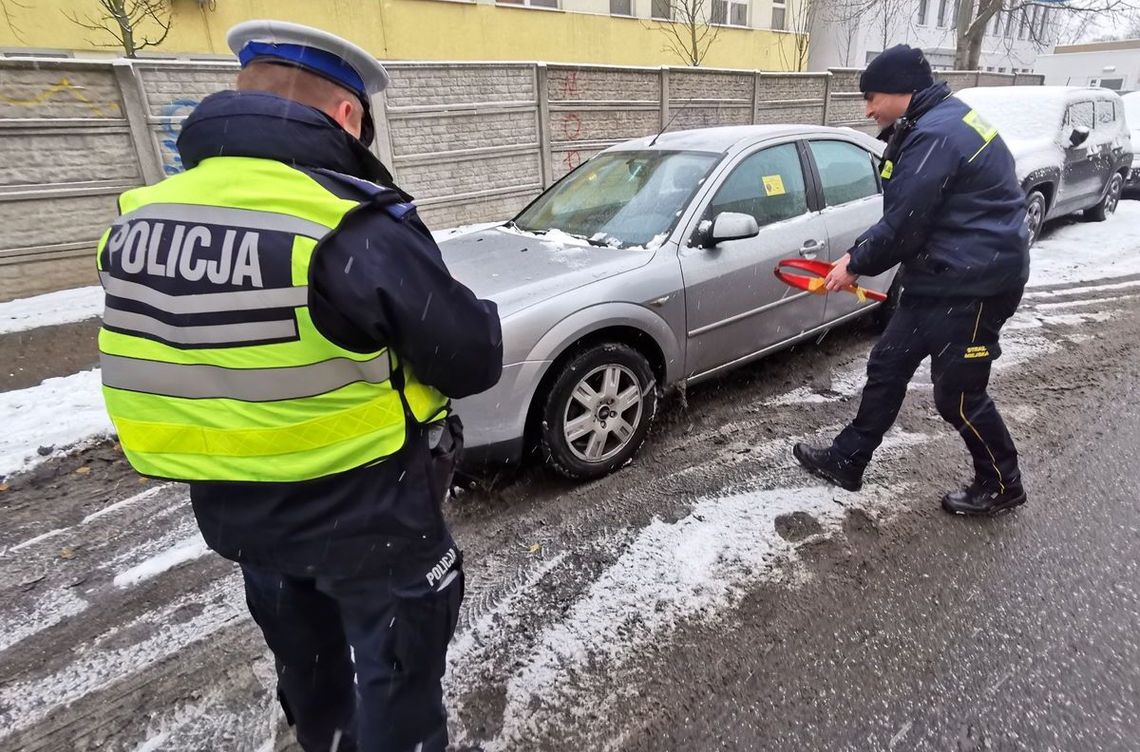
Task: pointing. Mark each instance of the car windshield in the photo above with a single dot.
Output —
(623, 199)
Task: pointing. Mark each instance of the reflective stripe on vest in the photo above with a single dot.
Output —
(200, 381)
(212, 366)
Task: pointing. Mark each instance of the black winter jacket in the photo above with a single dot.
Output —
(953, 210)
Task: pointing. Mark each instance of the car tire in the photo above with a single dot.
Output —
(1035, 210)
(598, 411)
(1107, 206)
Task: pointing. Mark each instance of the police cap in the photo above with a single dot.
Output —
(316, 51)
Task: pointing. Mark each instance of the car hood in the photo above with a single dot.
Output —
(518, 270)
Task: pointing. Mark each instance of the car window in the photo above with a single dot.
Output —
(1105, 113)
(845, 170)
(623, 199)
(769, 185)
(1080, 115)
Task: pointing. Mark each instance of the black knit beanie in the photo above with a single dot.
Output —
(900, 70)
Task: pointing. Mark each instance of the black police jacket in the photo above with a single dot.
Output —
(953, 210)
(372, 516)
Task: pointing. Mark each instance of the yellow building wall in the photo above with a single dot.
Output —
(410, 30)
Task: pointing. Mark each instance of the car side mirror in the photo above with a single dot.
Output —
(1079, 135)
(733, 226)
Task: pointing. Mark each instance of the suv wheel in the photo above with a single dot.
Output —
(598, 411)
(1035, 209)
(1108, 204)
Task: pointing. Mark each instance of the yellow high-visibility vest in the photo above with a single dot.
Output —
(212, 367)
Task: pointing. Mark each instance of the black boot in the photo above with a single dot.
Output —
(979, 500)
(823, 464)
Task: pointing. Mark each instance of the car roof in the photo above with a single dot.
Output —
(1065, 94)
(722, 139)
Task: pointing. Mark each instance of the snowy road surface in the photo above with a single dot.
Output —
(710, 595)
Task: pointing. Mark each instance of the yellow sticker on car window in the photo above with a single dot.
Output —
(774, 185)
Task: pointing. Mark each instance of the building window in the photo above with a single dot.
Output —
(727, 12)
(739, 14)
(621, 7)
(942, 14)
(780, 17)
(663, 10)
(1009, 24)
(996, 31)
(531, 3)
(1024, 29)
(1044, 16)
(923, 6)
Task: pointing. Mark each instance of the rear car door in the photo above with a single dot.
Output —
(1080, 179)
(735, 305)
(852, 202)
(1117, 151)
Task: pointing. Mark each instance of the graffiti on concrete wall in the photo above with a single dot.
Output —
(172, 116)
(66, 88)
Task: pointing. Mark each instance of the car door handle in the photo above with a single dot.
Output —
(810, 249)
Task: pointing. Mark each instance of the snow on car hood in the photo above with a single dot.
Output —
(517, 269)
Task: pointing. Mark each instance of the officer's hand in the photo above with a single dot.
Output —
(839, 278)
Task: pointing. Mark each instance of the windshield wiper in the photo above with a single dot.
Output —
(513, 225)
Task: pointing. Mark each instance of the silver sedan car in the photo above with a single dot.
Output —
(651, 266)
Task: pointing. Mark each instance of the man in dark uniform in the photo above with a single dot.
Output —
(954, 218)
(282, 333)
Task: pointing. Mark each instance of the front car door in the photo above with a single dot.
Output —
(1079, 177)
(735, 305)
(853, 201)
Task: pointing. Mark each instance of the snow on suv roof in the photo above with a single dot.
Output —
(1028, 112)
(723, 138)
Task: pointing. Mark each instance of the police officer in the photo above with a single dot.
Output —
(282, 333)
(954, 218)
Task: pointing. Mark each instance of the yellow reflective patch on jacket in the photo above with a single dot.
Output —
(983, 129)
(888, 170)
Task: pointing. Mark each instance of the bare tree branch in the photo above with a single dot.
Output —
(6, 7)
(133, 24)
(690, 33)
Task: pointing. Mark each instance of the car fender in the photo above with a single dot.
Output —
(1044, 175)
(586, 321)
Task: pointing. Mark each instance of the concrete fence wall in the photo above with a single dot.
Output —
(472, 141)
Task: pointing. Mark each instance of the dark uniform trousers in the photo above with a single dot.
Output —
(961, 337)
(385, 694)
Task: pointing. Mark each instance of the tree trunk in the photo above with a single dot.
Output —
(965, 18)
